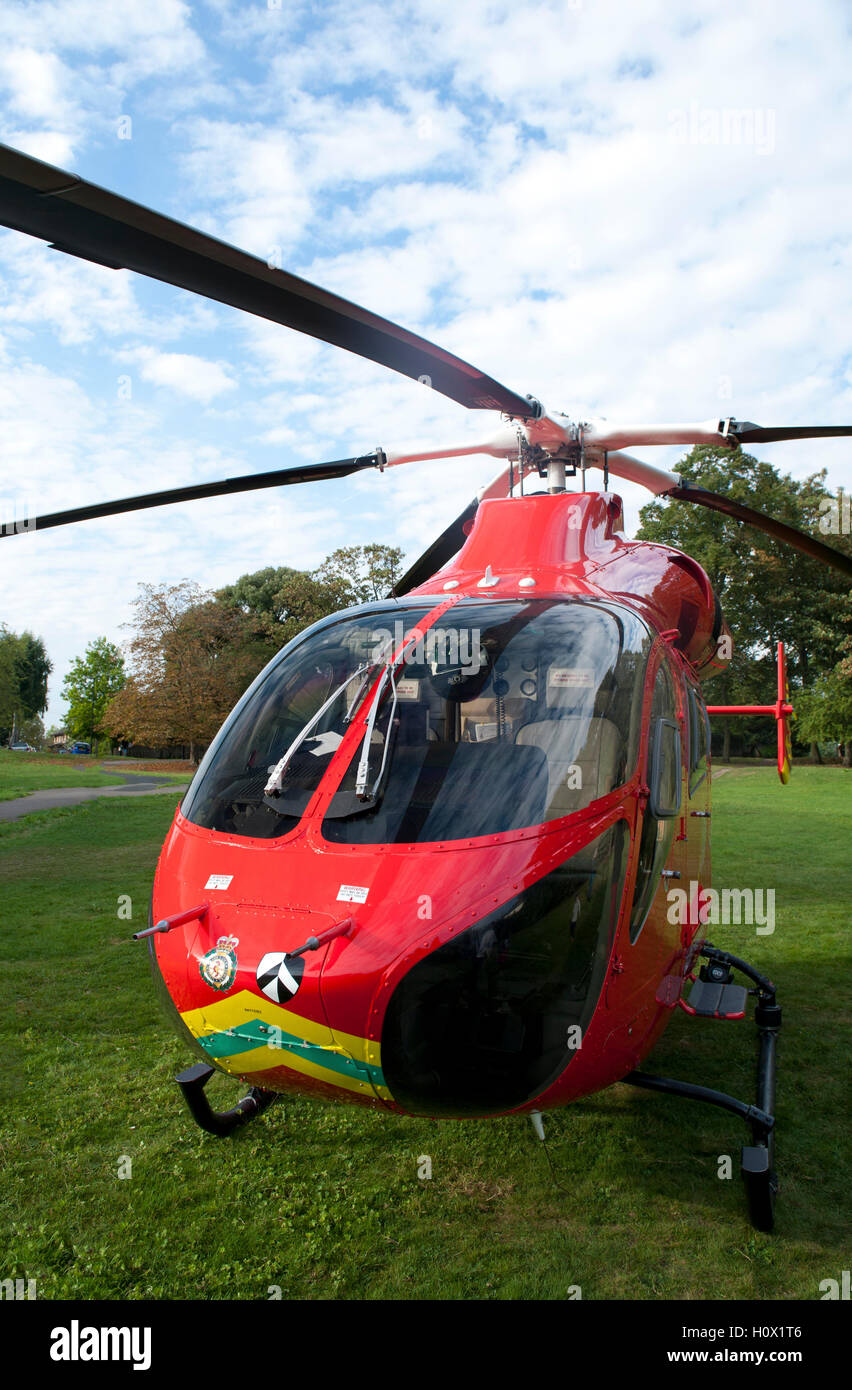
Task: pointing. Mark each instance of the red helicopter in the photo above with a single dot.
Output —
(423, 865)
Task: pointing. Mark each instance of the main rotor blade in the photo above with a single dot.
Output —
(603, 434)
(808, 545)
(249, 482)
(746, 432)
(88, 221)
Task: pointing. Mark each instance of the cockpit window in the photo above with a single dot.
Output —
(502, 715)
(491, 1018)
(505, 715)
(335, 665)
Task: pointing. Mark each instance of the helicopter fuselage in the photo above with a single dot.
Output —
(452, 898)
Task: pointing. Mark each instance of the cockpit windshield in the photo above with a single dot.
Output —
(506, 715)
(502, 715)
(301, 705)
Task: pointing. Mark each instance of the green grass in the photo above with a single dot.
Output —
(22, 773)
(325, 1201)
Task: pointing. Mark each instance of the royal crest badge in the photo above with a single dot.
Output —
(219, 966)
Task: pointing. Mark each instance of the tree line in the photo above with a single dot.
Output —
(193, 651)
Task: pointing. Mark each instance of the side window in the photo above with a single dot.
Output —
(699, 740)
(664, 781)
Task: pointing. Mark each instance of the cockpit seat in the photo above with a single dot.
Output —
(479, 717)
(582, 759)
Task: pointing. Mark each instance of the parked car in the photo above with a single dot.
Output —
(80, 748)
(21, 748)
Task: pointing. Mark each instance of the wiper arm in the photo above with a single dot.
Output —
(359, 692)
(387, 748)
(276, 778)
(363, 775)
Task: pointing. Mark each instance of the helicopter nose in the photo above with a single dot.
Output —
(491, 1018)
(257, 1013)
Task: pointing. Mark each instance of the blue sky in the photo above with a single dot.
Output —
(634, 211)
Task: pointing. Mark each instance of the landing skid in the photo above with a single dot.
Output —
(219, 1122)
(758, 1159)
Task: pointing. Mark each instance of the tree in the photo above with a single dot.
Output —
(366, 572)
(89, 686)
(768, 591)
(824, 712)
(279, 603)
(33, 671)
(24, 669)
(191, 661)
(8, 682)
(31, 731)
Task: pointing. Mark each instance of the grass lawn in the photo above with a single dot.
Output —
(22, 773)
(325, 1201)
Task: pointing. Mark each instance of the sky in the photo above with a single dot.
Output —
(635, 211)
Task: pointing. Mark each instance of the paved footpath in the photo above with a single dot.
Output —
(49, 800)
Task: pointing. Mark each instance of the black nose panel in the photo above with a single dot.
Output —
(490, 1019)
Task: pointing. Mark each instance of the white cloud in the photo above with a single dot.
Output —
(157, 37)
(51, 146)
(194, 377)
(251, 173)
(34, 83)
(68, 66)
(77, 300)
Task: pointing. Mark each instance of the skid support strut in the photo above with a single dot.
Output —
(219, 1122)
(758, 1158)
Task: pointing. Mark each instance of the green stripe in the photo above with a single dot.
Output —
(250, 1036)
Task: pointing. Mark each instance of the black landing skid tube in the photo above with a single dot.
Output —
(758, 1158)
(219, 1122)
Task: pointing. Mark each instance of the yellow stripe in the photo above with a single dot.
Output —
(260, 1060)
(222, 1014)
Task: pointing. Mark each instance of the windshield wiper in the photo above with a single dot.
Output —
(276, 778)
(363, 774)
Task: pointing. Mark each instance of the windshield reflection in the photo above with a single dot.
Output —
(229, 792)
(541, 720)
(502, 715)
